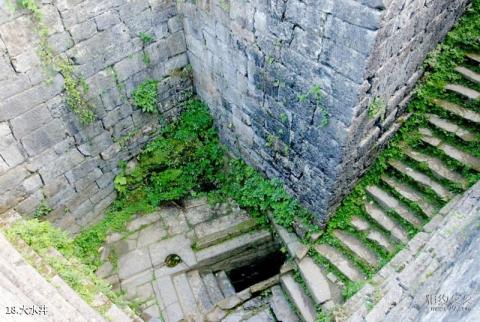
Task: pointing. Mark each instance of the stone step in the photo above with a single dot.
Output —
(338, 260)
(231, 247)
(364, 226)
(168, 299)
(33, 285)
(377, 214)
(389, 202)
(315, 280)
(468, 74)
(185, 296)
(437, 166)
(298, 297)
(458, 110)
(467, 159)
(11, 295)
(214, 292)
(474, 57)
(295, 247)
(422, 179)
(76, 301)
(357, 247)
(463, 91)
(411, 194)
(280, 306)
(102, 302)
(450, 127)
(224, 283)
(226, 227)
(200, 292)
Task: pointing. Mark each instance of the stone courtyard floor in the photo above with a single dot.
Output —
(204, 242)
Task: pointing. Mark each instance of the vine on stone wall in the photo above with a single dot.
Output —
(76, 89)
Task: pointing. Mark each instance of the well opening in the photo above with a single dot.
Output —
(256, 271)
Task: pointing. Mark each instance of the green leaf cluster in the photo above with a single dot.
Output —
(187, 159)
(145, 96)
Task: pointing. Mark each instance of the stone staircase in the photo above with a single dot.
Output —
(398, 291)
(409, 194)
(22, 286)
(28, 281)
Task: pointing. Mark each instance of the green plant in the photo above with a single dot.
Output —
(145, 96)
(41, 236)
(184, 72)
(376, 108)
(315, 95)
(146, 38)
(76, 90)
(42, 210)
(352, 288)
(225, 5)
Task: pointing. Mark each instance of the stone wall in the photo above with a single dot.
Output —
(255, 63)
(45, 152)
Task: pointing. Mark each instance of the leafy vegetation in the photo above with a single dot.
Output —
(41, 237)
(315, 96)
(146, 38)
(145, 96)
(42, 210)
(187, 159)
(376, 107)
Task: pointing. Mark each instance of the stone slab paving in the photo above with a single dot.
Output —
(357, 247)
(449, 126)
(280, 306)
(340, 261)
(299, 298)
(468, 74)
(422, 179)
(451, 151)
(442, 261)
(315, 281)
(139, 261)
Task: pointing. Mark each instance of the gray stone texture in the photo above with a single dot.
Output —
(251, 60)
(435, 278)
(45, 153)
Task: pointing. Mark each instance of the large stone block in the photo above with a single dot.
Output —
(43, 138)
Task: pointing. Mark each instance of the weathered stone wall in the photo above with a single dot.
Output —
(252, 59)
(409, 31)
(45, 153)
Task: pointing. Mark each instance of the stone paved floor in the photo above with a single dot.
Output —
(208, 240)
